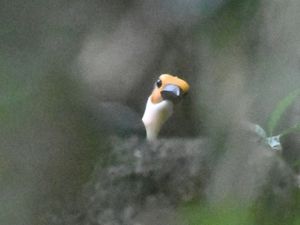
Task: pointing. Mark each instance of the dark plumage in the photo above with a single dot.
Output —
(121, 120)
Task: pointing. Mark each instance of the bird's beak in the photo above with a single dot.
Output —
(172, 92)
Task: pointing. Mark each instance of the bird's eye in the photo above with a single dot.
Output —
(158, 83)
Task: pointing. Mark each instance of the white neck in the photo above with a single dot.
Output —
(155, 116)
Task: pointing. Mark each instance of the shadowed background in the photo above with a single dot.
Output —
(60, 59)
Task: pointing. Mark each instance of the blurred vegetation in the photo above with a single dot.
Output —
(267, 211)
(279, 111)
(59, 59)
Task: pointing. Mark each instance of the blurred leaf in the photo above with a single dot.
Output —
(295, 128)
(280, 109)
(222, 214)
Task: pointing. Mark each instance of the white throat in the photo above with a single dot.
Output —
(155, 116)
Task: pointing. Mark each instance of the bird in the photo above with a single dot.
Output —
(168, 90)
(121, 120)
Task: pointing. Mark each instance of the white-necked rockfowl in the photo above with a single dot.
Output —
(168, 90)
(122, 121)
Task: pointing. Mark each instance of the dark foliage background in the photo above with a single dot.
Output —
(60, 59)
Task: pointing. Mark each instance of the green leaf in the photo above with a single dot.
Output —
(295, 128)
(280, 108)
(223, 213)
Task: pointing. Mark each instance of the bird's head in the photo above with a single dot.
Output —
(169, 87)
(168, 90)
